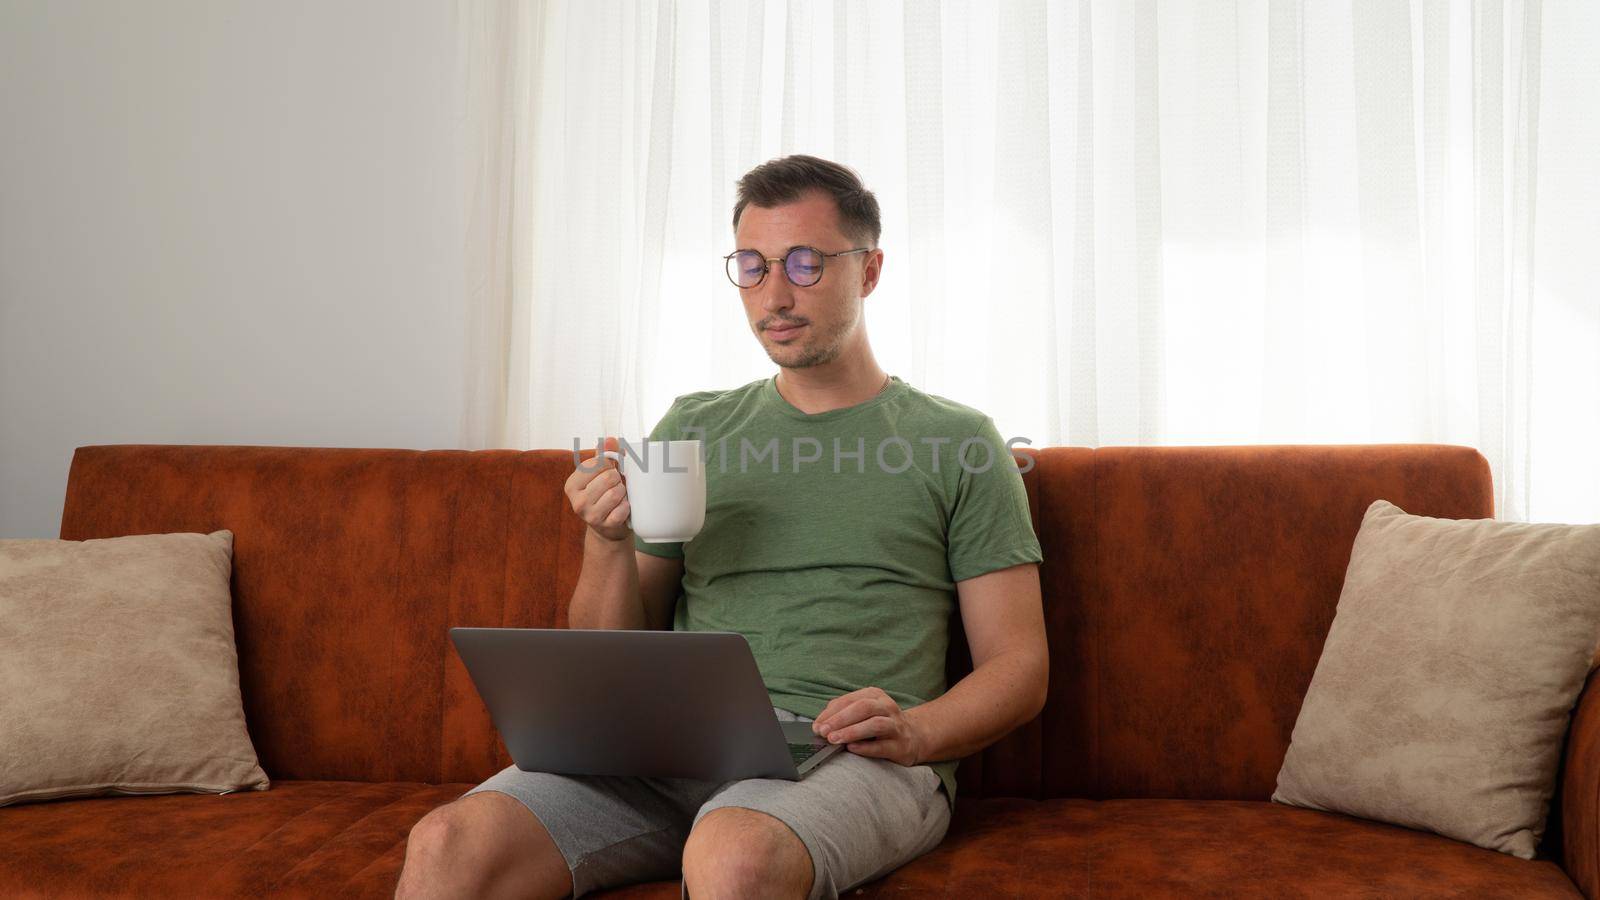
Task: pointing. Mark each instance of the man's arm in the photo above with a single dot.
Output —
(1003, 615)
(620, 587)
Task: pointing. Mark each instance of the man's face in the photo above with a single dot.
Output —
(805, 326)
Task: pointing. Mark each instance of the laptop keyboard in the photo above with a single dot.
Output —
(802, 752)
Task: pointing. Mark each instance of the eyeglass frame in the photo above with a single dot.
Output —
(767, 261)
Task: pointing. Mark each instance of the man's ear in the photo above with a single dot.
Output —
(871, 272)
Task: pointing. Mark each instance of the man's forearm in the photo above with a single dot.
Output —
(607, 595)
(995, 698)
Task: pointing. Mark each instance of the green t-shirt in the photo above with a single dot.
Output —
(833, 542)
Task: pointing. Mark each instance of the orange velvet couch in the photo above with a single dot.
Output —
(1187, 593)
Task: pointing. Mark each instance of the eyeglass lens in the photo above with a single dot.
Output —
(803, 265)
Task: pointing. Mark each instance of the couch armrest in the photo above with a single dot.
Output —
(1580, 793)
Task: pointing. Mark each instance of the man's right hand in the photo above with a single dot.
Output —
(599, 496)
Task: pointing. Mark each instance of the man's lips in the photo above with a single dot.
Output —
(783, 332)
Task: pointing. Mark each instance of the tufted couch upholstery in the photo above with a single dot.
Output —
(1187, 593)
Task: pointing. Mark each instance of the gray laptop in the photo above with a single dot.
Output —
(676, 704)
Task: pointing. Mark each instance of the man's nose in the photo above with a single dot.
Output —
(776, 291)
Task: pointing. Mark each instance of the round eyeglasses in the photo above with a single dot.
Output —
(803, 265)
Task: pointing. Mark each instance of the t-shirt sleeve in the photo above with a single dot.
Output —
(990, 526)
(665, 430)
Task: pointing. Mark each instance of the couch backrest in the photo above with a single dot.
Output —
(1187, 594)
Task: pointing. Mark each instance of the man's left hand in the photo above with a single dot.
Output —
(868, 722)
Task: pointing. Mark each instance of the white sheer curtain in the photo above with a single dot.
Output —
(1104, 222)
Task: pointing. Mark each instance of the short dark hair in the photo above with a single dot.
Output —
(784, 180)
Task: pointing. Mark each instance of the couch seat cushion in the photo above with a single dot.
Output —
(1142, 848)
(347, 839)
(301, 838)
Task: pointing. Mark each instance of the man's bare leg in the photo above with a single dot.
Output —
(483, 845)
(735, 852)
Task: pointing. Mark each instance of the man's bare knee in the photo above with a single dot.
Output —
(487, 845)
(735, 852)
(437, 838)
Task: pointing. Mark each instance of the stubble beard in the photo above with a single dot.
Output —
(821, 349)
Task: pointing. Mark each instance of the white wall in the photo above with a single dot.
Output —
(224, 222)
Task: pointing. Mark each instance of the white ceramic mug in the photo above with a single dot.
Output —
(666, 489)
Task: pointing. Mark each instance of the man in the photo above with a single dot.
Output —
(848, 515)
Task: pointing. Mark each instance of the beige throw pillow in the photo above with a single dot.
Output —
(1446, 683)
(118, 672)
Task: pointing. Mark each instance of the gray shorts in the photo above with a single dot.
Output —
(859, 818)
